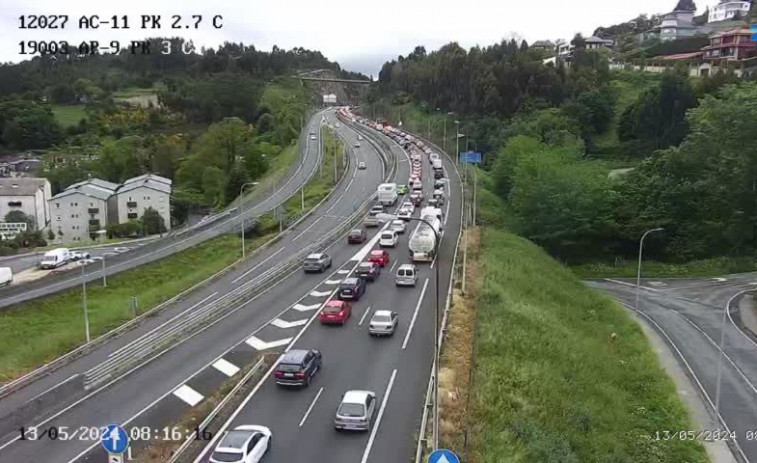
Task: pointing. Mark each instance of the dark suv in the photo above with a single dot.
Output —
(298, 367)
(351, 288)
(368, 271)
(357, 236)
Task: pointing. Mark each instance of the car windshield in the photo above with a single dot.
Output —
(288, 367)
(234, 440)
(332, 309)
(227, 456)
(381, 318)
(355, 233)
(366, 266)
(347, 409)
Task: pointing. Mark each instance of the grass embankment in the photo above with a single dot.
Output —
(38, 331)
(68, 115)
(716, 266)
(561, 373)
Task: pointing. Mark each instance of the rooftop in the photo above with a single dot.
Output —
(21, 186)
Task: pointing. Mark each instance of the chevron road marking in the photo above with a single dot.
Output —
(226, 367)
(257, 344)
(333, 282)
(188, 395)
(279, 323)
(320, 293)
(305, 308)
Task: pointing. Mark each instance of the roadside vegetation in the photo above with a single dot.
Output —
(560, 373)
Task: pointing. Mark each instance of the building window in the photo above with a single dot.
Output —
(132, 215)
(14, 203)
(131, 204)
(58, 218)
(93, 210)
(57, 205)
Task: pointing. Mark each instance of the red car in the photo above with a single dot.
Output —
(416, 199)
(336, 312)
(379, 256)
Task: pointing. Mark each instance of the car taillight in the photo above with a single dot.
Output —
(299, 375)
(278, 373)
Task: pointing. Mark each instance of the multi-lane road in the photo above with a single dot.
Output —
(156, 393)
(225, 222)
(690, 315)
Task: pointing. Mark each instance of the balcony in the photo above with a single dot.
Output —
(132, 215)
(131, 204)
(93, 210)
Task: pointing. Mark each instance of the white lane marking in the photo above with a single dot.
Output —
(279, 323)
(333, 282)
(718, 279)
(415, 315)
(647, 288)
(226, 367)
(188, 395)
(108, 254)
(258, 344)
(306, 230)
(345, 272)
(391, 269)
(310, 408)
(319, 293)
(305, 308)
(350, 184)
(378, 418)
(362, 319)
(132, 343)
(255, 267)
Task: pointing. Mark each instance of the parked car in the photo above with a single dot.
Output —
(298, 367)
(355, 411)
(77, 255)
(351, 288)
(336, 312)
(383, 322)
(368, 271)
(398, 226)
(245, 444)
(388, 238)
(316, 262)
(402, 189)
(379, 256)
(407, 275)
(357, 236)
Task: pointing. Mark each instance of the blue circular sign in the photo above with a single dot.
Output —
(114, 439)
(443, 456)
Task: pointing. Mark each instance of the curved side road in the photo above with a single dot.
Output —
(225, 222)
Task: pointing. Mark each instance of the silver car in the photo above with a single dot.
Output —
(407, 275)
(383, 322)
(398, 226)
(316, 263)
(355, 411)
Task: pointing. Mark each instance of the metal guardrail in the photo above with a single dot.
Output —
(144, 347)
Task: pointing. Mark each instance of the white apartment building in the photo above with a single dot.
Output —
(138, 194)
(727, 9)
(28, 195)
(82, 209)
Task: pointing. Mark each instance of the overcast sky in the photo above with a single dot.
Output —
(360, 35)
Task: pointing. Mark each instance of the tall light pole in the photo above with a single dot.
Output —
(241, 210)
(386, 218)
(457, 142)
(84, 302)
(638, 271)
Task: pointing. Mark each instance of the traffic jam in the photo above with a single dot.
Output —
(298, 367)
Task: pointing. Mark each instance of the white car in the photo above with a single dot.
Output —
(245, 444)
(361, 165)
(312, 137)
(404, 214)
(409, 206)
(398, 226)
(357, 144)
(77, 255)
(383, 322)
(388, 238)
(355, 411)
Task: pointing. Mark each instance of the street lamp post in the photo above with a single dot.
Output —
(388, 217)
(84, 303)
(241, 210)
(457, 142)
(638, 271)
(105, 278)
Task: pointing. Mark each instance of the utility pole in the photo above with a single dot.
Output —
(84, 303)
(475, 178)
(302, 191)
(105, 278)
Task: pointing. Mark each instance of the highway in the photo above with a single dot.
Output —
(225, 222)
(395, 368)
(689, 314)
(145, 395)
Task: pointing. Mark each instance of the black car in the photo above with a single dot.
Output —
(298, 367)
(368, 271)
(351, 288)
(356, 236)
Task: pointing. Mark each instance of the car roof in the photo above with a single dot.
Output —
(294, 356)
(406, 266)
(383, 312)
(335, 303)
(236, 439)
(356, 397)
(356, 230)
(367, 264)
(350, 281)
(377, 252)
(316, 255)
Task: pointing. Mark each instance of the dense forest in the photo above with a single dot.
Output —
(209, 121)
(552, 135)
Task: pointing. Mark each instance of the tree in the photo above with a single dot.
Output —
(153, 222)
(20, 217)
(27, 124)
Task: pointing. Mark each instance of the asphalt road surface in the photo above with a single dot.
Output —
(689, 315)
(145, 397)
(228, 221)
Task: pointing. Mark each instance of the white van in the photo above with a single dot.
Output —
(388, 239)
(55, 258)
(407, 275)
(6, 276)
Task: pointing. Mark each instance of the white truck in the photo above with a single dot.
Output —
(387, 194)
(6, 276)
(422, 243)
(55, 258)
(433, 212)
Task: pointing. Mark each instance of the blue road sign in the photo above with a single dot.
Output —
(754, 30)
(472, 157)
(114, 439)
(443, 456)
